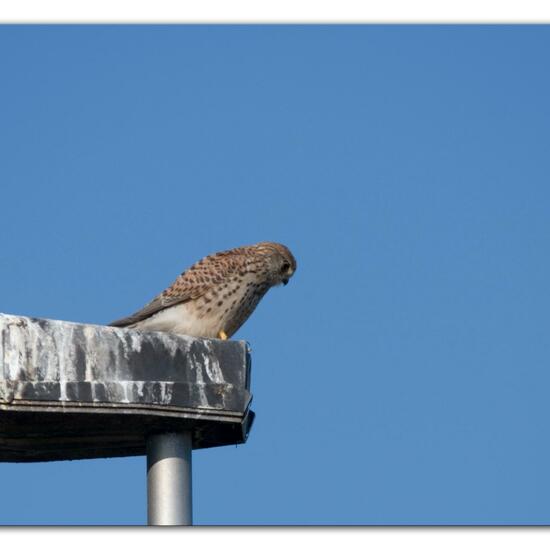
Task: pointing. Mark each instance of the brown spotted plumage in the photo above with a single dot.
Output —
(215, 296)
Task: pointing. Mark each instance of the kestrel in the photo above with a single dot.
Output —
(215, 296)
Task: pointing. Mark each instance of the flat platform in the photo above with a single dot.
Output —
(71, 390)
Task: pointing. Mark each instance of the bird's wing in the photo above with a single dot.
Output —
(190, 285)
(154, 306)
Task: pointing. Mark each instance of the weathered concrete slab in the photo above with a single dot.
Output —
(71, 390)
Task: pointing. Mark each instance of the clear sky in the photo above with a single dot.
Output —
(403, 375)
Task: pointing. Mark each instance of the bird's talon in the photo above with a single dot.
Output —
(222, 335)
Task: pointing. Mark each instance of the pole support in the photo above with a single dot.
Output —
(169, 490)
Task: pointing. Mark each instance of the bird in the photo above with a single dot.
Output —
(217, 294)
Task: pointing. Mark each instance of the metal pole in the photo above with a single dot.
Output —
(169, 479)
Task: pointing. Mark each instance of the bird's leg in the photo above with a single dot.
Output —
(222, 335)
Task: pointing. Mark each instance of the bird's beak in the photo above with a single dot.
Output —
(285, 282)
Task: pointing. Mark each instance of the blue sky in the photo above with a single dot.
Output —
(402, 376)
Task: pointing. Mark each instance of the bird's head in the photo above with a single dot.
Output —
(281, 262)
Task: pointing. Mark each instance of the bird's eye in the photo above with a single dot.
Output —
(285, 267)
